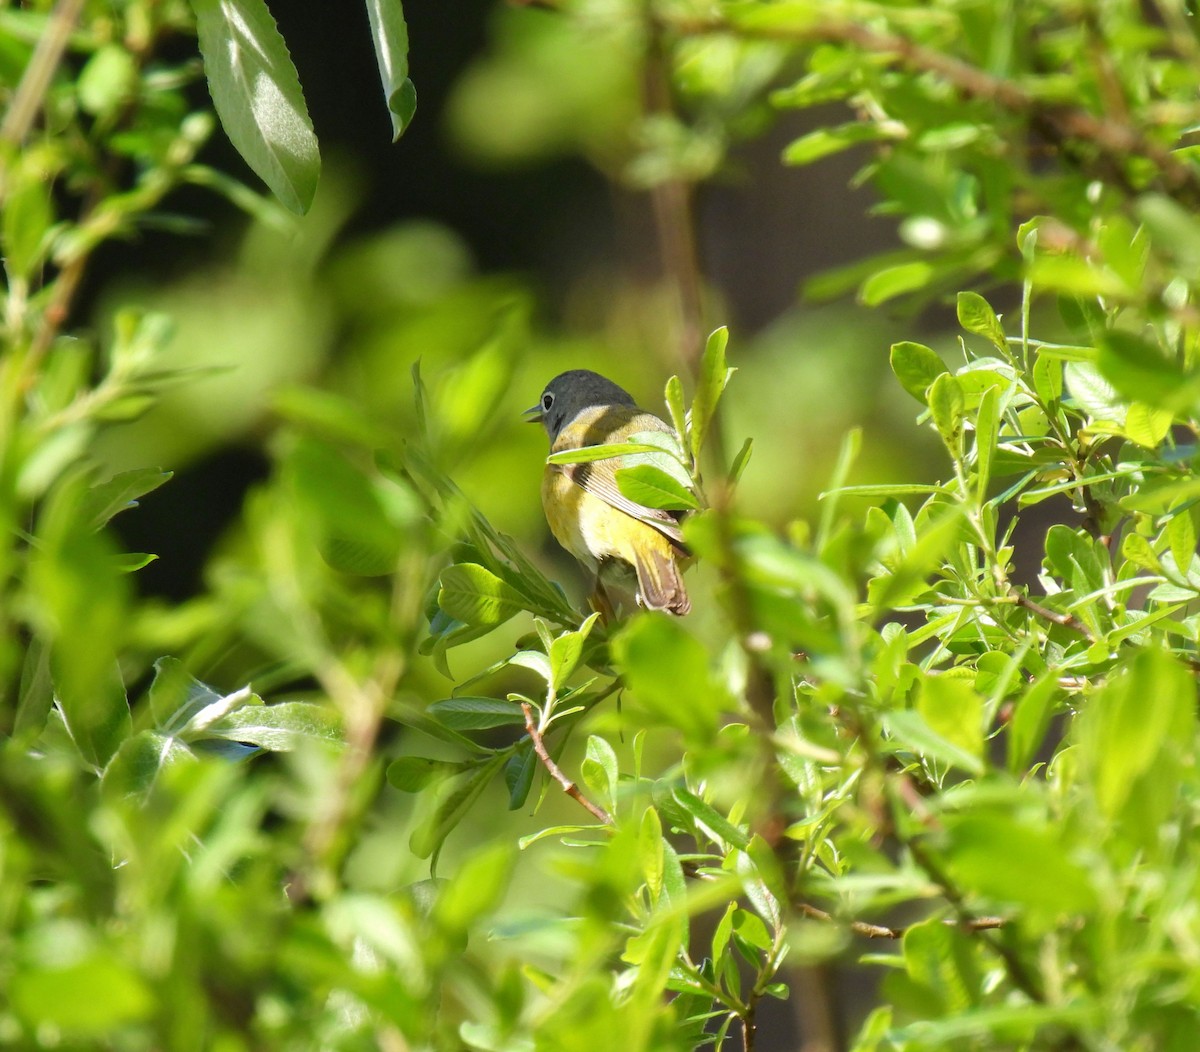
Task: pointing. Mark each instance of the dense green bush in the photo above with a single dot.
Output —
(433, 804)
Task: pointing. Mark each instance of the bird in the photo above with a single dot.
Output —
(586, 510)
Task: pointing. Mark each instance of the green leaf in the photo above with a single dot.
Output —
(280, 727)
(953, 710)
(411, 774)
(474, 595)
(711, 822)
(469, 714)
(454, 799)
(1094, 394)
(600, 772)
(1073, 556)
(995, 855)
(257, 95)
(1137, 550)
(82, 601)
(1132, 723)
(588, 454)
(1048, 377)
(910, 731)
(1181, 536)
(825, 141)
(355, 513)
(140, 760)
(673, 396)
(176, 696)
(740, 461)
(27, 218)
(565, 651)
(35, 697)
(116, 996)
(651, 854)
(108, 80)
(987, 429)
(895, 281)
(710, 385)
(941, 960)
(518, 775)
(1172, 227)
(651, 486)
(1141, 372)
(1146, 425)
(909, 577)
(916, 367)
(667, 672)
(475, 890)
(389, 33)
(975, 315)
(946, 405)
(1030, 721)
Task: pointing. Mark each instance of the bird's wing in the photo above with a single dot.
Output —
(599, 478)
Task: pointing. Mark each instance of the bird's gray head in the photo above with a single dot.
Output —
(571, 392)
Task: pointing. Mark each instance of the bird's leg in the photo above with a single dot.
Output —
(600, 601)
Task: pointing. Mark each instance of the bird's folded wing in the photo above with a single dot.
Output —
(602, 483)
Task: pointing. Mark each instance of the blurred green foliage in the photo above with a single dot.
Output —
(434, 804)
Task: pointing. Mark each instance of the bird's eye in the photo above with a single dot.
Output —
(547, 401)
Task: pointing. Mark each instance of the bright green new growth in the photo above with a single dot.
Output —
(945, 732)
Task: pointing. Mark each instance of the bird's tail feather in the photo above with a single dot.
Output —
(660, 584)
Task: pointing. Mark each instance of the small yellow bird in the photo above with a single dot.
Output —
(586, 511)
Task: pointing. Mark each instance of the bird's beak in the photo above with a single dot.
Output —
(533, 415)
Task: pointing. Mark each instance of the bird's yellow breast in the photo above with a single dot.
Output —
(592, 530)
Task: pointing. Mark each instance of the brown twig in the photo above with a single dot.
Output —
(1066, 620)
(749, 1029)
(883, 931)
(568, 786)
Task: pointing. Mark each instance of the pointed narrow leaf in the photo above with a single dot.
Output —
(389, 33)
(518, 775)
(411, 774)
(565, 652)
(281, 727)
(740, 461)
(714, 375)
(257, 95)
(1181, 535)
(118, 493)
(587, 454)
(894, 281)
(467, 714)
(987, 429)
(455, 799)
(673, 396)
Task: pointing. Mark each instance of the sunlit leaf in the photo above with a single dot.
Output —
(389, 33)
(258, 96)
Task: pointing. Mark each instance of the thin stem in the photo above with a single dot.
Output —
(883, 931)
(568, 786)
(749, 1027)
(1066, 620)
